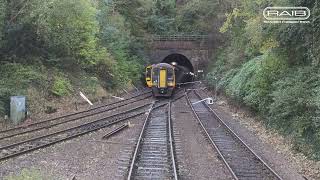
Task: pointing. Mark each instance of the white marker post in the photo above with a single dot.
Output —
(117, 97)
(135, 88)
(85, 98)
(125, 91)
(208, 101)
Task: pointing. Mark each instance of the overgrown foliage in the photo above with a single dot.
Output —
(61, 86)
(273, 68)
(15, 79)
(45, 43)
(61, 46)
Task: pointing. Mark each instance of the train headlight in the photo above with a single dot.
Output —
(174, 63)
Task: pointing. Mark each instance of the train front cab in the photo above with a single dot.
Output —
(163, 81)
(148, 76)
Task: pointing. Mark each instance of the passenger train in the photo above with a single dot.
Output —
(161, 78)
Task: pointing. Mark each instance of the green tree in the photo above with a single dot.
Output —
(273, 68)
(70, 29)
(3, 9)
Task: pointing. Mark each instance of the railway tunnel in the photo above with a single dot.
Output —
(184, 67)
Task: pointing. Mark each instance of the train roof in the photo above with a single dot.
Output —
(162, 65)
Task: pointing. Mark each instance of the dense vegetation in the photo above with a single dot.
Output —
(273, 69)
(54, 47)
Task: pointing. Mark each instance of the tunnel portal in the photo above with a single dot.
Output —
(184, 68)
(180, 59)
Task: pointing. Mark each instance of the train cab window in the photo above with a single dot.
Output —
(155, 74)
(148, 73)
(170, 74)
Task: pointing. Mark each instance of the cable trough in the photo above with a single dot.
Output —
(153, 157)
(241, 161)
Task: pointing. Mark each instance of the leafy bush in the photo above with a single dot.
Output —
(226, 78)
(69, 29)
(91, 84)
(237, 87)
(15, 79)
(258, 88)
(287, 97)
(251, 83)
(61, 86)
(281, 79)
(295, 108)
(126, 65)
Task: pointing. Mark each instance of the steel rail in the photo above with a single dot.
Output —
(175, 172)
(81, 128)
(82, 125)
(239, 139)
(72, 114)
(233, 134)
(210, 139)
(142, 136)
(68, 137)
(67, 121)
(79, 131)
(135, 154)
(113, 132)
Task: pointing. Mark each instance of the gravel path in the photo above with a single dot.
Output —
(196, 157)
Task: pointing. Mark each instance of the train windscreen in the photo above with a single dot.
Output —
(170, 74)
(148, 72)
(155, 75)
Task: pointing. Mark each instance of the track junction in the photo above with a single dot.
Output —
(154, 153)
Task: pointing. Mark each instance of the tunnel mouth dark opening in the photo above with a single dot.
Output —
(184, 68)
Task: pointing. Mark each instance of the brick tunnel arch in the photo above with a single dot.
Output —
(180, 59)
(184, 67)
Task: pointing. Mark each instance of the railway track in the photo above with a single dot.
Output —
(154, 157)
(71, 117)
(239, 158)
(32, 144)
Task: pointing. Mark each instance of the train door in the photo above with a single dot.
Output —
(148, 76)
(163, 78)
